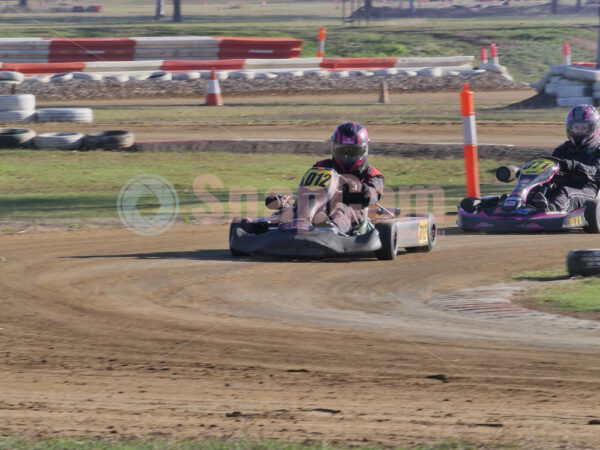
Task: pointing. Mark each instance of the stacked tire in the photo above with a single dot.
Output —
(16, 137)
(58, 141)
(108, 140)
(80, 115)
(17, 108)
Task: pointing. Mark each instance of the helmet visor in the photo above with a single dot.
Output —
(348, 154)
(579, 128)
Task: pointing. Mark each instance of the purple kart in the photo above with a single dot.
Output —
(514, 212)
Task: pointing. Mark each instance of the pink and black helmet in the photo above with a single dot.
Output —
(583, 126)
(350, 146)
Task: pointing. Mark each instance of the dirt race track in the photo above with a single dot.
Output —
(108, 335)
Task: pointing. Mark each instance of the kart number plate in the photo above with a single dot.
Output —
(423, 233)
(536, 167)
(317, 178)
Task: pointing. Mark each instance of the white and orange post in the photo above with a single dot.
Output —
(483, 55)
(321, 43)
(213, 95)
(470, 140)
(494, 53)
(567, 53)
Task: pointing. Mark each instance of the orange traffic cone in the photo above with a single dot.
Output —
(384, 96)
(213, 96)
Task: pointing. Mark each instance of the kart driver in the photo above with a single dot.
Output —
(579, 160)
(349, 150)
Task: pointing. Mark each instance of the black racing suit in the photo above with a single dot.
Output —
(349, 214)
(581, 180)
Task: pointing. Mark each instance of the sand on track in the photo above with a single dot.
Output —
(109, 335)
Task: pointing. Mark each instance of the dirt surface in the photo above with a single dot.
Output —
(104, 334)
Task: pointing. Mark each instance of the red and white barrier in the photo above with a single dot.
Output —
(145, 48)
(237, 64)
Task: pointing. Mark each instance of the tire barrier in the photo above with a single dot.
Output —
(18, 102)
(160, 76)
(571, 85)
(17, 108)
(118, 78)
(108, 140)
(186, 76)
(329, 64)
(55, 50)
(61, 77)
(7, 77)
(87, 76)
(583, 262)
(58, 141)
(80, 115)
(16, 137)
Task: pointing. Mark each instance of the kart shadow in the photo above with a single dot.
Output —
(200, 255)
(219, 255)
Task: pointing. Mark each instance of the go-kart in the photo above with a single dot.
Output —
(303, 229)
(515, 212)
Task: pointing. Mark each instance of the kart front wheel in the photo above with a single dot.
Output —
(470, 204)
(431, 238)
(388, 236)
(592, 216)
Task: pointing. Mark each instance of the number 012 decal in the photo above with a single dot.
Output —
(316, 178)
(536, 167)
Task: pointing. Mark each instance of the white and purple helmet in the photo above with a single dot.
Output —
(350, 146)
(583, 126)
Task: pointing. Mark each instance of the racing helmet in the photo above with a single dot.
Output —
(583, 126)
(350, 146)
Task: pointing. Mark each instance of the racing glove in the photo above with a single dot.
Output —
(567, 165)
(362, 198)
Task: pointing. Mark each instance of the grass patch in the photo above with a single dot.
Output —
(84, 186)
(402, 109)
(542, 275)
(577, 296)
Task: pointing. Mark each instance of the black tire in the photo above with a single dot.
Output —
(388, 236)
(108, 140)
(584, 262)
(232, 227)
(15, 137)
(592, 216)
(470, 204)
(431, 238)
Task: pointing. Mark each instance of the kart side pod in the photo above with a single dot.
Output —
(506, 174)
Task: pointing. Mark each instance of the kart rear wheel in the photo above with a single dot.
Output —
(232, 227)
(592, 216)
(431, 238)
(388, 236)
(583, 262)
(470, 204)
